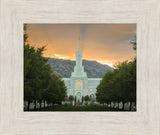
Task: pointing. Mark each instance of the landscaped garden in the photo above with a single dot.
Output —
(77, 108)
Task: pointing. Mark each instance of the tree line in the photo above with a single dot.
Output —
(40, 82)
(119, 85)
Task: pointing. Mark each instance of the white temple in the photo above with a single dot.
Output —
(79, 84)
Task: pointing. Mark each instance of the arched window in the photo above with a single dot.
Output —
(92, 97)
(79, 98)
(78, 85)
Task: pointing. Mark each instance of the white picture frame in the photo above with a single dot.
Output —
(145, 121)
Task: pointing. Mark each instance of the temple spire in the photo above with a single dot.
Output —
(79, 41)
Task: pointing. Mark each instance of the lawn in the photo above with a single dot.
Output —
(77, 108)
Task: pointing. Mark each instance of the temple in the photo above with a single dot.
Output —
(79, 85)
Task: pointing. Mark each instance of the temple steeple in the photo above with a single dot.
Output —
(79, 55)
(79, 69)
(79, 42)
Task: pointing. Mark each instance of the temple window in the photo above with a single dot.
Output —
(78, 85)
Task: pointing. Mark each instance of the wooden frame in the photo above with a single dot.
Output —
(14, 13)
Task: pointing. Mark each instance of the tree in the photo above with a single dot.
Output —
(71, 98)
(45, 78)
(40, 83)
(75, 99)
(86, 98)
(82, 99)
(28, 91)
(36, 73)
(119, 85)
(56, 91)
(105, 92)
(124, 85)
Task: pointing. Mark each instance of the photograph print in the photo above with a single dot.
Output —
(80, 67)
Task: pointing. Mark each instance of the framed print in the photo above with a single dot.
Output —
(98, 74)
(57, 25)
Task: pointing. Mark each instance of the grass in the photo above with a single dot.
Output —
(76, 108)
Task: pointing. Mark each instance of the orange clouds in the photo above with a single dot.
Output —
(60, 56)
(106, 43)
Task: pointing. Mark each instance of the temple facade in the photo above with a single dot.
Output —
(79, 85)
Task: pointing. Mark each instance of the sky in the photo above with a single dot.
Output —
(104, 43)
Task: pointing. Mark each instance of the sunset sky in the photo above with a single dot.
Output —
(105, 43)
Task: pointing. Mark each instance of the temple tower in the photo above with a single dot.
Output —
(79, 85)
(79, 69)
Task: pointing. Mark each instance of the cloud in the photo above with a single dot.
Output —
(103, 42)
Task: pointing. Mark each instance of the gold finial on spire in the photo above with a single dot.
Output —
(79, 41)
